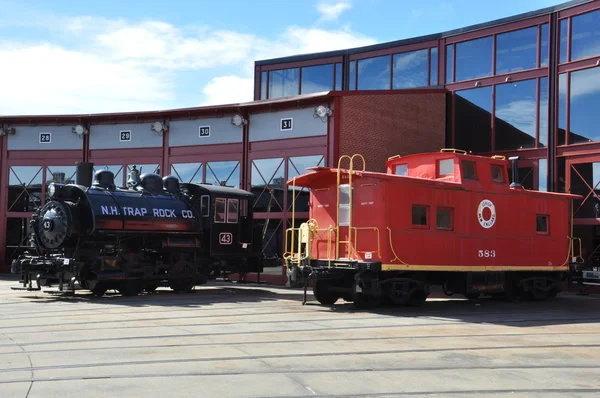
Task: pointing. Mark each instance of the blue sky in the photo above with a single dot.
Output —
(84, 57)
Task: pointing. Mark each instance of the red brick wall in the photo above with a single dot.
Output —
(382, 125)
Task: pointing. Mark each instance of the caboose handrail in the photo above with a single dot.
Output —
(350, 197)
(356, 229)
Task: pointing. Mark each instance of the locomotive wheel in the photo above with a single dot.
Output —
(323, 294)
(182, 277)
(97, 288)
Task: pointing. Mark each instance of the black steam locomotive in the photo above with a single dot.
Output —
(154, 232)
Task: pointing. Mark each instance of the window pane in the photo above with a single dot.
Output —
(468, 169)
(225, 174)
(543, 175)
(283, 83)
(433, 65)
(515, 115)
(474, 59)
(401, 170)
(117, 171)
(419, 215)
(563, 40)
(232, 211)
(543, 129)
(541, 224)
(220, 210)
(584, 106)
(585, 35)
(545, 33)
(205, 206)
(187, 172)
(446, 167)
(449, 62)
(497, 174)
(584, 176)
(263, 85)
(316, 79)
(444, 219)
(272, 241)
(473, 125)
(298, 165)
(352, 77)
(267, 183)
(410, 69)
(374, 73)
(516, 50)
(562, 108)
(338, 76)
(25, 188)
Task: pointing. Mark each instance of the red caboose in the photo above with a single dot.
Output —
(446, 218)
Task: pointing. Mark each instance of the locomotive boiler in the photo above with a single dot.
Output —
(153, 232)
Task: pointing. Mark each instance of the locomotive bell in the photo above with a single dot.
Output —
(134, 177)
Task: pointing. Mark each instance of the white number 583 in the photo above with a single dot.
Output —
(487, 253)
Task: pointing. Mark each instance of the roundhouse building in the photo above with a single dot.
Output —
(528, 85)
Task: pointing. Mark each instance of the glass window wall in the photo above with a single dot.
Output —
(316, 79)
(187, 172)
(263, 85)
(283, 83)
(225, 174)
(267, 183)
(516, 50)
(449, 63)
(474, 58)
(515, 115)
(410, 69)
(544, 49)
(374, 73)
(338, 76)
(585, 35)
(584, 103)
(563, 28)
(24, 188)
(298, 165)
(352, 77)
(543, 112)
(433, 67)
(562, 108)
(473, 120)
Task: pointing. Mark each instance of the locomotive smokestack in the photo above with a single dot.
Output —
(84, 173)
(515, 172)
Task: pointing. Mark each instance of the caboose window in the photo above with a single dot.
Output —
(541, 224)
(220, 210)
(445, 167)
(444, 219)
(468, 169)
(401, 170)
(232, 211)
(344, 219)
(419, 215)
(497, 175)
(205, 205)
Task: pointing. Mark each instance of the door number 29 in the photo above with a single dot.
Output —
(487, 253)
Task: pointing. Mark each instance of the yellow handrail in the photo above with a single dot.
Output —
(350, 197)
(453, 150)
(356, 229)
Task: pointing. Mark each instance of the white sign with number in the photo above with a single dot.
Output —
(45, 138)
(287, 124)
(204, 131)
(125, 136)
(225, 238)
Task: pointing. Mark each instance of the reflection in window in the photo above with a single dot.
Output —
(449, 63)
(543, 126)
(585, 35)
(433, 67)
(205, 205)
(338, 76)
(401, 170)
(220, 210)
(473, 125)
(468, 169)
(584, 176)
(283, 83)
(187, 172)
(562, 108)
(544, 45)
(263, 85)
(516, 110)
(419, 215)
(563, 40)
(344, 205)
(272, 241)
(374, 73)
(232, 211)
(24, 188)
(497, 175)
(584, 103)
(117, 171)
(541, 223)
(316, 79)
(474, 58)
(444, 219)
(410, 69)
(225, 174)
(267, 181)
(445, 167)
(298, 165)
(352, 77)
(516, 50)
(543, 175)
(60, 175)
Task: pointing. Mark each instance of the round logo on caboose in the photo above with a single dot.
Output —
(486, 213)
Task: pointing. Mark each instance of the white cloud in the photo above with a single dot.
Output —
(116, 65)
(332, 11)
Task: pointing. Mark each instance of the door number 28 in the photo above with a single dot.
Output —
(487, 253)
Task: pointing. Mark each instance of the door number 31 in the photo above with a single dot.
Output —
(487, 253)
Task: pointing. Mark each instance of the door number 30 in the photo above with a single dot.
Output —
(487, 253)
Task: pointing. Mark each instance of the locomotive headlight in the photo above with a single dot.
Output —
(52, 190)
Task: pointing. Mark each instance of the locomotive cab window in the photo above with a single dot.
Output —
(205, 205)
(541, 224)
(232, 211)
(497, 175)
(401, 170)
(444, 219)
(469, 170)
(419, 216)
(445, 167)
(220, 210)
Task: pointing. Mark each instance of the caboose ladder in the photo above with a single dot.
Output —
(348, 208)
